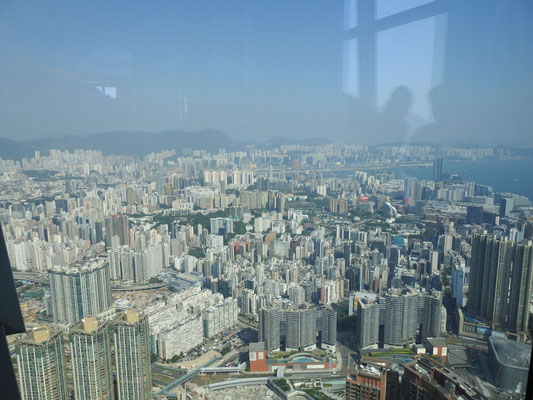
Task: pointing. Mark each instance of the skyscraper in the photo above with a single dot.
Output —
(474, 215)
(221, 225)
(78, 292)
(393, 259)
(99, 231)
(367, 328)
(301, 328)
(355, 278)
(91, 360)
(413, 189)
(132, 354)
(219, 317)
(41, 365)
(506, 206)
(430, 316)
(338, 206)
(403, 315)
(117, 225)
(501, 281)
(437, 169)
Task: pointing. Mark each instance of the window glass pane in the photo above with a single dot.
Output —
(385, 8)
(405, 58)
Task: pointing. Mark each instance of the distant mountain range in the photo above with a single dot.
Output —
(280, 141)
(128, 143)
(141, 143)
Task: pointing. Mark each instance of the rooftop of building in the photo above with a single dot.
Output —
(190, 278)
(365, 295)
(85, 266)
(375, 361)
(510, 353)
(38, 335)
(86, 325)
(448, 382)
(259, 346)
(300, 307)
(371, 370)
(130, 316)
(437, 342)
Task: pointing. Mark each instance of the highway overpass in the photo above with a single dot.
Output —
(43, 280)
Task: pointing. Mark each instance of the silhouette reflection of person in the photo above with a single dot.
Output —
(442, 111)
(391, 123)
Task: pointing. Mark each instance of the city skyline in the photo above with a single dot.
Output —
(297, 258)
(266, 200)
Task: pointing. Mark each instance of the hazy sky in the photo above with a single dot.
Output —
(245, 67)
(250, 68)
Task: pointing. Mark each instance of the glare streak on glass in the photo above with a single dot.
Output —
(350, 68)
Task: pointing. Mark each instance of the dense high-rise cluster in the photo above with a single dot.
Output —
(328, 251)
(43, 366)
(501, 279)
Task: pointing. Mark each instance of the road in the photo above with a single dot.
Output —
(41, 279)
(182, 379)
(474, 342)
(247, 322)
(231, 356)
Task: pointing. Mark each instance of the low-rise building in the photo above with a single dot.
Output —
(373, 380)
(509, 363)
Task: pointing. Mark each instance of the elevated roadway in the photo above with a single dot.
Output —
(182, 379)
(44, 281)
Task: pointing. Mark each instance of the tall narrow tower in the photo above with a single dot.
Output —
(78, 292)
(501, 277)
(41, 365)
(132, 353)
(91, 360)
(437, 169)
